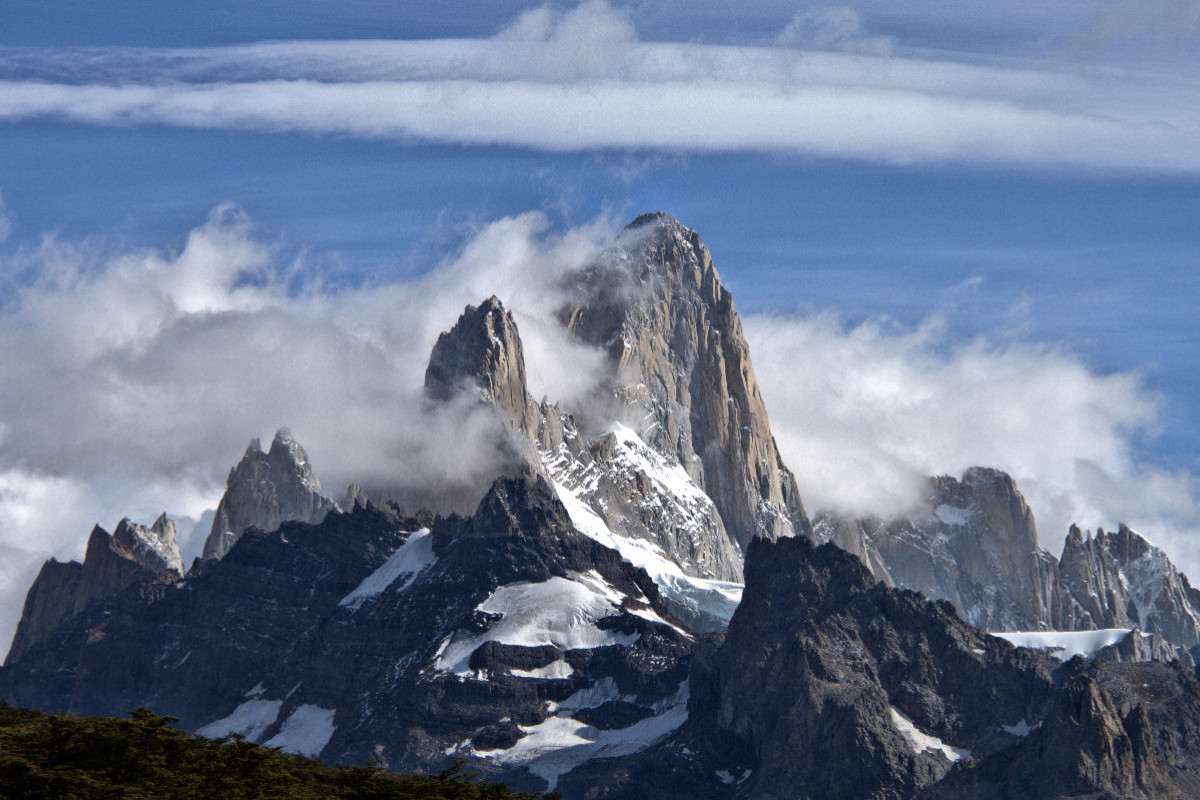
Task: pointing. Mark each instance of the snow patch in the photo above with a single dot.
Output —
(407, 562)
(251, 719)
(1065, 645)
(555, 670)
(558, 744)
(726, 777)
(560, 612)
(1021, 729)
(952, 515)
(710, 598)
(922, 741)
(602, 691)
(306, 731)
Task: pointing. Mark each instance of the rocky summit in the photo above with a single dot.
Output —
(635, 605)
(265, 490)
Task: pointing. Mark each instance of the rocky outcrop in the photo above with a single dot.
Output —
(681, 367)
(1120, 731)
(1141, 646)
(848, 689)
(1122, 581)
(156, 548)
(132, 554)
(845, 688)
(265, 490)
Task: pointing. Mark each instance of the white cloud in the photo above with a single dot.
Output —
(863, 414)
(592, 22)
(581, 79)
(836, 28)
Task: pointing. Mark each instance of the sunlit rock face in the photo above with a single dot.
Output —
(265, 490)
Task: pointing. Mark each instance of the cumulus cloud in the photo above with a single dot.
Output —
(864, 414)
(134, 380)
(582, 79)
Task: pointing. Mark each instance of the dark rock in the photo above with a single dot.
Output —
(614, 715)
(269, 624)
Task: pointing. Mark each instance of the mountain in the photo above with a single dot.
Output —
(265, 490)
(133, 555)
(680, 363)
(583, 624)
(975, 544)
(845, 688)
(490, 637)
(1120, 580)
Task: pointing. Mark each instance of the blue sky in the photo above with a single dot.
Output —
(962, 236)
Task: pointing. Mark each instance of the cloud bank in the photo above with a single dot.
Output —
(582, 80)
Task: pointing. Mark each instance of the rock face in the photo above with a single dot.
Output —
(133, 554)
(265, 490)
(834, 680)
(845, 688)
(483, 352)
(1120, 581)
(682, 366)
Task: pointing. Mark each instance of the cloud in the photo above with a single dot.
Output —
(836, 28)
(581, 79)
(864, 414)
(593, 22)
(133, 380)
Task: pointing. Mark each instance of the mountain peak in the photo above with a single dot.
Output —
(1123, 581)
(655, 303)
(482, 352)
(660, 218)
(265, 490)
(156, 548)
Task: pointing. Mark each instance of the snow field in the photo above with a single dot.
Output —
(406, 563)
